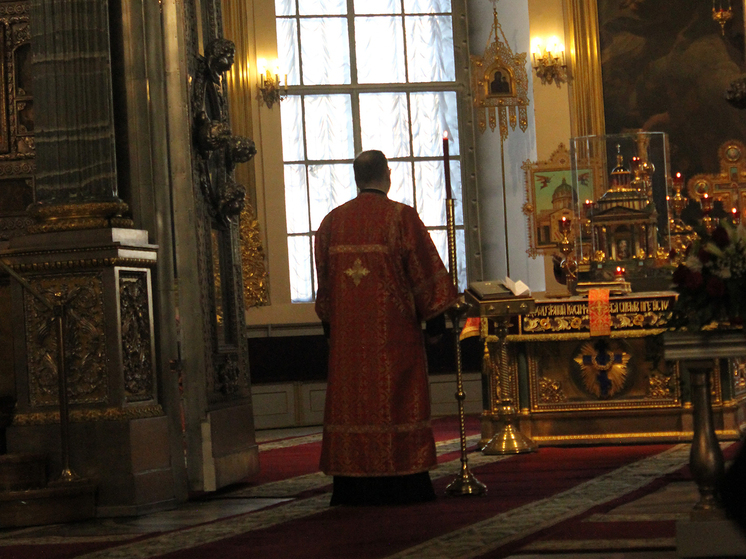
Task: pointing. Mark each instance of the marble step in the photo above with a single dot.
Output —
(22, 471)
(58, 503)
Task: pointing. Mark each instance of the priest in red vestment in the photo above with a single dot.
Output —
(379, 277)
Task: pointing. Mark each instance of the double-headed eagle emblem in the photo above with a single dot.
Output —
(603, 369)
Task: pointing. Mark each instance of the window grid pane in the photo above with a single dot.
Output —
(325, 51)
(328, 121)
(302, 288)
(379, 45)
(287, 48)
(430, 49)
(377, 6)
(384, 123)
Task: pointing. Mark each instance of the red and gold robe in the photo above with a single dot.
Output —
(379, 276)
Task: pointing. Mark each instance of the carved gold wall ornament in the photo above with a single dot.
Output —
(17, 150)
(81, 264)
(738, 367)
(660, 386)
(70, 217)
(229, 378)
(13, 226)
(554, 361)
(729, 185)
(550, 391)
(90, 415)
(137, 335)
(500, 84)
(635, 312)
(255, 278)
(603, 368)
(85, 354)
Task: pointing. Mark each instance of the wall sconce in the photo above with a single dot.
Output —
(549, 60)
(270, 90)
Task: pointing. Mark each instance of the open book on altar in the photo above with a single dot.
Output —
(499, 289)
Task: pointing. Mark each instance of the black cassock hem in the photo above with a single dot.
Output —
(382, 490)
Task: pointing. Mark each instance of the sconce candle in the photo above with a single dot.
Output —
(706, 203)
(270, 90)
(564, 224)
(447, 167)
(619, 273)
(549, 61)
(736, 216)
(587, 207)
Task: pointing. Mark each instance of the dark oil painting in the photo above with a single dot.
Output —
(666, 67)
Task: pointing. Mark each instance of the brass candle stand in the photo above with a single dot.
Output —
(465, 483)
(709, 223)
(491, 300)
(682, 235)
(509, 439)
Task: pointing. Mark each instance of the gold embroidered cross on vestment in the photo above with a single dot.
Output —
(357, 272)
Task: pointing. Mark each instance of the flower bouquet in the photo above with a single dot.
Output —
(711, 281)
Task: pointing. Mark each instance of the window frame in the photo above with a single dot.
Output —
(466, 151)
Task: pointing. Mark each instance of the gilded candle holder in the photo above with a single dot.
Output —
(465, 483)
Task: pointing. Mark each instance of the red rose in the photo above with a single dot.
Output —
(681, 274)
(715, 287)
(704, 256)
(694, 280)
(720, 237)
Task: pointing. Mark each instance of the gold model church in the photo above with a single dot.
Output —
(165, 164)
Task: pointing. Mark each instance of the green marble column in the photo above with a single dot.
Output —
(76, 178)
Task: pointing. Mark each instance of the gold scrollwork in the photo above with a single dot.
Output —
(134, 310)
(252, 261)
(659, 387)
(85, 351)
(86, 415)
(618, 321)
(81, 264)
(550, 391)
(738, 365)
(68, 217)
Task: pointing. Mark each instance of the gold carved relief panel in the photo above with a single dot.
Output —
(135, 310)
(17, 149)
(85, 351)
(601, 374)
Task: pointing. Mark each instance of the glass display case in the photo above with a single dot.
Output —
(620, 235)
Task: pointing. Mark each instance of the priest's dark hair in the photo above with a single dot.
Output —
(370, 166)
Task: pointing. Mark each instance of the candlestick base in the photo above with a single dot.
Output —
(509, 441)
(466, 484)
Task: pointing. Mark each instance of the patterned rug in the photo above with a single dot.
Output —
(557, 500)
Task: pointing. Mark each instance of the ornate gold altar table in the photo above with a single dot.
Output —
(573, 388)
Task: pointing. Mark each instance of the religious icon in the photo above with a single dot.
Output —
(501, 83)
(622, 250)
(550, 196)
(603, 368)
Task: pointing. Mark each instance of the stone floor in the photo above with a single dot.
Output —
(674, 501)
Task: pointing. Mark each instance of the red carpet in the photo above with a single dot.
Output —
(554, 497)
